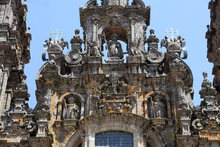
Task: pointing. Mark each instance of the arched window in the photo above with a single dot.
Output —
(114, 139)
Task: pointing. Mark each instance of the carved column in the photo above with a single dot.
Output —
(95, 30)
(3, 85)
(42, 123)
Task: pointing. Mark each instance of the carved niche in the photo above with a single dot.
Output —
(69, 108)
(156, 106)
(113, 96)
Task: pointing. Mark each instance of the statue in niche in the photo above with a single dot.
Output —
(157, 107)
(72, 109)
(114, 47)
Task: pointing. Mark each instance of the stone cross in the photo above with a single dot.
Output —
(172, 32)
(56, 35)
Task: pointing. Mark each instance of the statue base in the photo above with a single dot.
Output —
(69, 122)
(114, 60)
(159, 121)
(94, 60)
(134, 59)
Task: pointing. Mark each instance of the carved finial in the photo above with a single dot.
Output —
(207, 89)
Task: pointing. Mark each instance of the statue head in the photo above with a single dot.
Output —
(71, 100)
(114, 37)
(77, 32)
(179, 37)
(152, 31)
(157, 98)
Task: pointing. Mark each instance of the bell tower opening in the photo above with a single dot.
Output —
(115, 43)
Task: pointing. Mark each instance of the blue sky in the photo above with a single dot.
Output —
(189, 17)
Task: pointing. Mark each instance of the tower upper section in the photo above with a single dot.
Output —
(115, 18)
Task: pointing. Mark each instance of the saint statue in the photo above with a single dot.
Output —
(114, 47)
(157, 107)
(72, 109)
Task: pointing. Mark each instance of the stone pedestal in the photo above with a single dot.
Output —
(69, 123)
(122, 3)
(114, 60)
(94, 64)
(134, 64)
(159, 121)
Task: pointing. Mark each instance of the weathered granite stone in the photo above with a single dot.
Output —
(81, 94)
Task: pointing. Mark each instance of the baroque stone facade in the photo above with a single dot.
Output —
(136, 91)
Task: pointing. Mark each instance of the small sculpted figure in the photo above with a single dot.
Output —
(114, 47)
(63, 43)
(76, 41)
(72, 111)
(94, 50)
(157, 107)
(152, 37)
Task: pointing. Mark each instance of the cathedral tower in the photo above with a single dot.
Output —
(14, 54)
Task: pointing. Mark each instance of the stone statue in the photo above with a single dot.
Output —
(157, 107)
(152, 37)
(208, 36)
(76, 41)
(165, 42)
(63, 43)
(94, 49)
(114, 47)
(72, 109)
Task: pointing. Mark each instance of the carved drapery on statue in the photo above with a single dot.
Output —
(156, 107)
(94, 50)
(115, 48)
(71, 108)
(113, 96)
